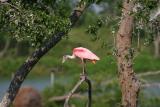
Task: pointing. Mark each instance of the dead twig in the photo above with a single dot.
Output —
(149, 73)
(62, 98)
(72, 91)
(83, 78)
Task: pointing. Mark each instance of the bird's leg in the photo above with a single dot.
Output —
(84, 67)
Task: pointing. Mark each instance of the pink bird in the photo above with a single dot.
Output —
(82, 53)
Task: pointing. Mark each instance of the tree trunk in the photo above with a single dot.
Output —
(3, 52)
(157, 47)
(129, 83)
(27, 66)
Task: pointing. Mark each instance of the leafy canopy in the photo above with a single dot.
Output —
(36, 20)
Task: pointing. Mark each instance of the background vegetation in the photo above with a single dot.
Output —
(95, 31)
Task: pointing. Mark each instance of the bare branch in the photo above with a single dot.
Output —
(148, 73)
(3, 52)
(155, 13)
(83, 78)
(3, 1)
(73, 90)
(62, 98)
(151, 85)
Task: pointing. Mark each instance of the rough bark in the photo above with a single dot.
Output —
(130, 85)
(27, 66)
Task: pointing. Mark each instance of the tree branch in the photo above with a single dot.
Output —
(27, 66)
(83, 78)
(148, 73)
(62, 98)
(3, 52)
(72, 91)
(151, 85)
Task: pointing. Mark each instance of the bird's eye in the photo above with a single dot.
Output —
(65, 57)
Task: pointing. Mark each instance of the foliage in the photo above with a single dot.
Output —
(144, 26)
(93, 29)
(35, 21)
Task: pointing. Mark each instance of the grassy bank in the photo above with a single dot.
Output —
(144, 61)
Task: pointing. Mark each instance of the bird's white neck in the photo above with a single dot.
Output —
(71, 56)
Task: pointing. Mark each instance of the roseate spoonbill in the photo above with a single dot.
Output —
(84, 54)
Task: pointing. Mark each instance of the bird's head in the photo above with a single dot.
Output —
(65, 57)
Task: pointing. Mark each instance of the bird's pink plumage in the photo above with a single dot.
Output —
(84, 53)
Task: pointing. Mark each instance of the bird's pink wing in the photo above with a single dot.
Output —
(84, 53)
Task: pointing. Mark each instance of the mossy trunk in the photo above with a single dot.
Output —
(130, 85)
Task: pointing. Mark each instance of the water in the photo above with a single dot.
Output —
(36, 83)
(42, 82)
(151, 92)
(154, 90)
